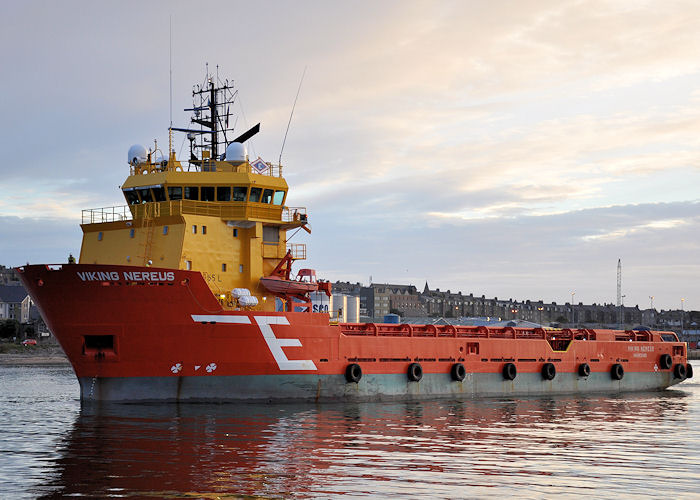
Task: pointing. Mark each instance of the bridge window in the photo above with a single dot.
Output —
(99, 236)
(278, 198)
(194, 229)
(159, 193)
(267, 196)
(223, 267)
(240, 193)
(255, 194)
(132, 197)
(208, 193)
(145, 195)
(175, 193)
(223, 193)
(235, 232)
(165, 230)
(132, 232)
(191, 192)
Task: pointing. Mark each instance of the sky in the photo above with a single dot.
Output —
(507, 149)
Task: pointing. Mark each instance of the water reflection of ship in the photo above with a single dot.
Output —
(202, 450)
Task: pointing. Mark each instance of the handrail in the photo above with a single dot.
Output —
(272, 170)
(463, 331)
(225, 210)
(106, 214)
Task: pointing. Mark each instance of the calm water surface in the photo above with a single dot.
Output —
(640, 445)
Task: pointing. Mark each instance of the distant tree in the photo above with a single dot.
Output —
(9, 328)
(395, 311)
(29, 331)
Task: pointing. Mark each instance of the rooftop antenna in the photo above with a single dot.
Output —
(290, 116)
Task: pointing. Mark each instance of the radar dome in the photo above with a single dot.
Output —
(236, 153)
(137, 154)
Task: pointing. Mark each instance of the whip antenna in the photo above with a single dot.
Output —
(170, 57)
(290, 116)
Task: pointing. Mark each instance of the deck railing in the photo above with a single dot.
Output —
(457, 331)
(227, 211)
(106, 214)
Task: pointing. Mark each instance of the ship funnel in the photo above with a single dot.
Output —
(236, 153)
(137, 154)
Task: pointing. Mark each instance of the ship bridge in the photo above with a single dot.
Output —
(220, 214)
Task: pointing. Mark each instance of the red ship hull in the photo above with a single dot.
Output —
(145, 334)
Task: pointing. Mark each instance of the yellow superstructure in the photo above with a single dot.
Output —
(224, 219)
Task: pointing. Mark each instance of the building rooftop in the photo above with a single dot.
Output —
(12, 294)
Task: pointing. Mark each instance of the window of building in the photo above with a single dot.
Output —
(240, 193)
(223, 193)
(267, 196)
(191, 192)
(278, 199)
(159, 193)
(255, 194)
(175, 193)
(132, 197)
(145, 195)
(208, 193)
(194, 229)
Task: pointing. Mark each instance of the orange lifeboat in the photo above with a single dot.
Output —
(305, 283)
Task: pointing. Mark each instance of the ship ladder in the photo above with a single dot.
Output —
(149, 227)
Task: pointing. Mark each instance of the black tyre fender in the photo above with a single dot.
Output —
(549, 371)
(415, 372)
(617, 371)
(353, 373)
(665, 361)
(688, 371)
(584, 370)
(510, 371)
(679, 371)
(458, 372)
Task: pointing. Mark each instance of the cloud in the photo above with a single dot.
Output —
(529, 257)
(484, 148)
(38, 240)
